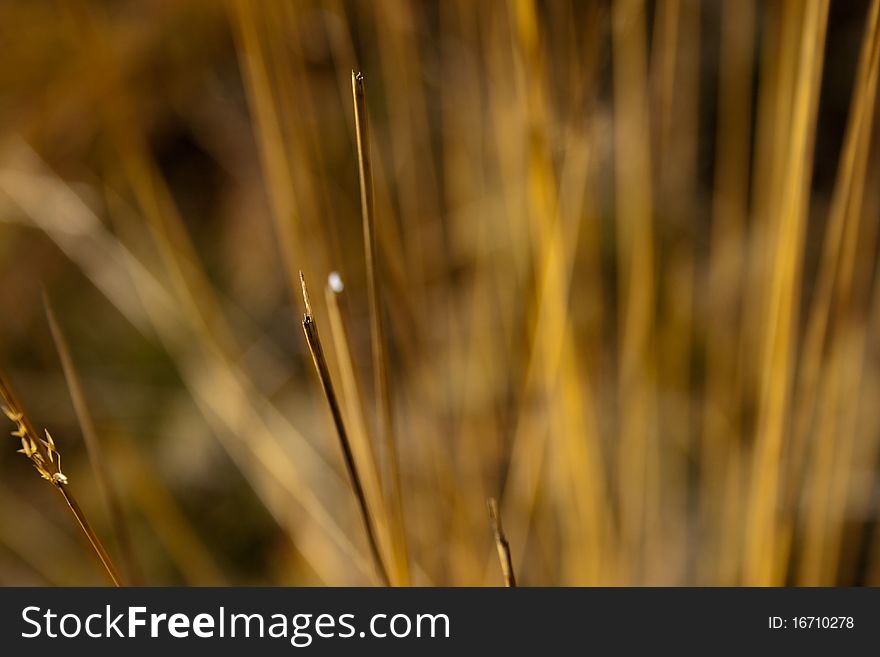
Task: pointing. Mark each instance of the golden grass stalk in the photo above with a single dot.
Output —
(267, 123)
(380, 373)
(833, 353)
(766, 537)
(354, 410)
(726, 269)
(637, 285)
(46, 459)
(552, 360)
(501, 543)
(105, 482)
(310, 329)
(839, 243)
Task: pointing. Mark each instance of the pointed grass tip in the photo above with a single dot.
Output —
(305, 293)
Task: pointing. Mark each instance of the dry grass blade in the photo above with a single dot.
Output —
(47, 460)
(90, 436)
(311, 332)
(352, 397)
(501, 543)
(766, 538)
(383, 392)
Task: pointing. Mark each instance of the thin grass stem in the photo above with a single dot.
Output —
(382, 388)
(310, 329)
(501, 543)
(105, 482)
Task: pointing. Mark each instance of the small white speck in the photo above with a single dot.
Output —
(334, 280)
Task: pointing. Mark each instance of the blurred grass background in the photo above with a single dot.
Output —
(628, 258)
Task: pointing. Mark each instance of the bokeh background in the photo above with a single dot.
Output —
(627, 254)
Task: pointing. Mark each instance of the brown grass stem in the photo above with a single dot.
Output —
(501, 543)
(86, 528)
(352, 397)
(380, 373)
(310, 329)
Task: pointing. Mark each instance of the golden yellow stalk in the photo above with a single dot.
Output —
(501, 543)
(552, 360)
(352, 397)
(833, 353)
(726, 270)
(380, 372)
(839, 243)
(45, 457)
(310, 329)
(268, 133)
(638, 459)
(766, 536)
(675, 74)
